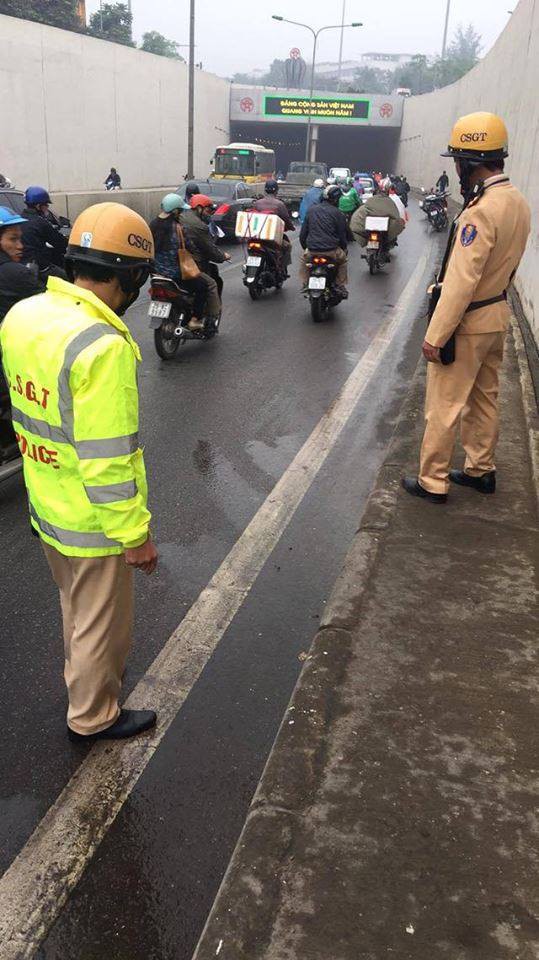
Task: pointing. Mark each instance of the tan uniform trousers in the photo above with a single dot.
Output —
(96, 595)
(464, 392)
(338, 255)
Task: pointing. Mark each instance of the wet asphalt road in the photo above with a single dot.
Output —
(220, 425)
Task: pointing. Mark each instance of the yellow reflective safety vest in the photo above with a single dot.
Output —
(70, 364)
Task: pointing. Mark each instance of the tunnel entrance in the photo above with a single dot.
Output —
(360, 148)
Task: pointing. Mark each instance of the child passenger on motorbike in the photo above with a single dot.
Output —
(165, 232)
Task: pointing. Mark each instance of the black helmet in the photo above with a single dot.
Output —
(190, 189)
(271, 186)
(333, 193)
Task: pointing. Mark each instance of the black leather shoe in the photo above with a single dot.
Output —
(413, 487)
(128, 724)
(484, 484)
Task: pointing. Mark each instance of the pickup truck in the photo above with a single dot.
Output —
(301, 175)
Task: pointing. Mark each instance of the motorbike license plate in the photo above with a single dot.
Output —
(373, 245)
(317, 283)
(254, 261)
(159, 310)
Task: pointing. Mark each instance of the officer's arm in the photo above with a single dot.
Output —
(105, 411)
(474, 241)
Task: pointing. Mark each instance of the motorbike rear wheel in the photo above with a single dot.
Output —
(319, 309)
(373, 264)
(255, 290)
(166, 347)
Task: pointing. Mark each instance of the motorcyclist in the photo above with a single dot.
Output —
(380, 205)
(17, 280)
(270, 203)
(349, 201)
(43, 244)
(113, 181)
(195, 224)
(313, 195)
(442, 182)
(166, 240)
(191, 189)
(324, 231)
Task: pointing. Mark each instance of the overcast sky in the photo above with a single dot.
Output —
(234, 35)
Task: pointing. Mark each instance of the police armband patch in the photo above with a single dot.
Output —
(468, 234)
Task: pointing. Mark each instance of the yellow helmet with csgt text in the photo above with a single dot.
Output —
(111, 235)
(480, 137)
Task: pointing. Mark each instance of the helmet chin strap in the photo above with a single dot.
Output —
(131, 286)
(466, 170)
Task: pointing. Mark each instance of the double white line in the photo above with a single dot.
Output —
(37, 884)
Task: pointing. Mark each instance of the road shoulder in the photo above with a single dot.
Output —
(394, 816)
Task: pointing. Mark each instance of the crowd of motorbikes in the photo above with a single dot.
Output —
(171, 305)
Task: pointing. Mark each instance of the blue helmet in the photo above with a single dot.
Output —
(8, 218)
(35, 195)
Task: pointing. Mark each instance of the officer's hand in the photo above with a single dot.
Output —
(432, 354)
(227, 256)
(143, 558)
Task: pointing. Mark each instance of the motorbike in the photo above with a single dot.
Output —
(263, 268)
(322, 291)
(170, 311)
(10, 456)
(434, 206)
(377, 249)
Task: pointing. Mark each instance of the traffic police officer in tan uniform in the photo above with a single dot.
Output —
(488, 240)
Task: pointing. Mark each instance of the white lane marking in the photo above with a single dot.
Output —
(35, 887)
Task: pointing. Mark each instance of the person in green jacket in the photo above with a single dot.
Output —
(70, 363)
(349, 202)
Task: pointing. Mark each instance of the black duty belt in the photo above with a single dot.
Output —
(478, 304)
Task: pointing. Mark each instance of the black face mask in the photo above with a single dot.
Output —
(131, 282)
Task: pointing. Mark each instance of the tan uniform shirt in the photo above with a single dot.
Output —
(489, 241)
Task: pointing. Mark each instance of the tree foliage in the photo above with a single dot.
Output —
(112, 21)
(155, 42)
(57, 13)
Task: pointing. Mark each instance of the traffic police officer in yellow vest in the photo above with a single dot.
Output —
(488, 242)
(70, 362)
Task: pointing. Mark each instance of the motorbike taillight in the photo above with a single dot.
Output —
(374, 236)
(255, 246)
(162, 293)
(223, 208)
(320, 260)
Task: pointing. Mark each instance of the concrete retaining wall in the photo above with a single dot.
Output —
(506, 82)
(145, 202)
(74, 106)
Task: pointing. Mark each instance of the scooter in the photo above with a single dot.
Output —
(170, 311)
(322, 291)
(263, 268)
(434, 206)
(377, 249)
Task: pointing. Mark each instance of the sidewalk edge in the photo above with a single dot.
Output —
(531, 414)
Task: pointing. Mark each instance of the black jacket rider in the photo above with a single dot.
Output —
(37, 232)
(17, 281)
(324, 228)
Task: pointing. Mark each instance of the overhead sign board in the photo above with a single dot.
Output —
(319, 108)
(269, 105)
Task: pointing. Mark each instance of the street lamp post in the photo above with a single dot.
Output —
(191, 95)
(446, 26)
(341, 44)
(316, 34)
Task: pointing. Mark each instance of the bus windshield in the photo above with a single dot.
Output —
(240, 163)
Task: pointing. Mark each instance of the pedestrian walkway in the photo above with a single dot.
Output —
(395, 817)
